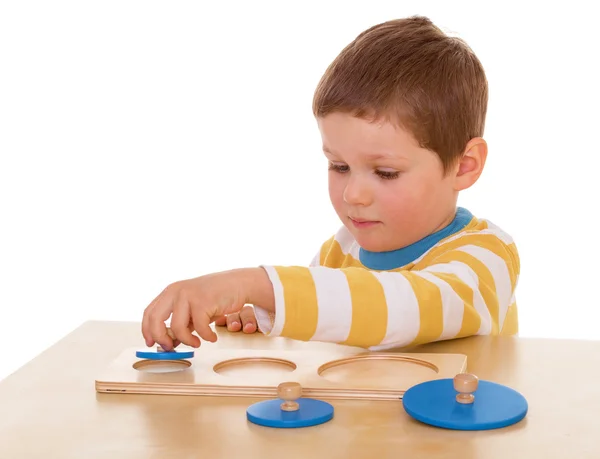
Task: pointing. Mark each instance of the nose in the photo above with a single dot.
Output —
(357, 192)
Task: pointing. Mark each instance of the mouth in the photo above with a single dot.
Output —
(363, 223)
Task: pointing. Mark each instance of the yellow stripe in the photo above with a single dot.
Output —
(471, 319)
(431, 312)
(325, 249)
(487, 241)
(512, 248)
(487, 286)
(369, 308)
(336, 258)
(301, 308)
(511, 322)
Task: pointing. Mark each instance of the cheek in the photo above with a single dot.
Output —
(398, 197)
(419, 198)
(336, 190)
(404, 202)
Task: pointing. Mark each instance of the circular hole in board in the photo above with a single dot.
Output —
(381, 372)
(259, 366)
(161, 366)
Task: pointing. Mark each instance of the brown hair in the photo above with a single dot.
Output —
(410, 72)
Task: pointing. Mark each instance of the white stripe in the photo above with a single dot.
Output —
(262, 315)
(469, 277)
(499, 270)
(452, 306)
(354, 251)
(335, 304)
(403, 310)
(316, 261)
(495, 229)
(345, 240)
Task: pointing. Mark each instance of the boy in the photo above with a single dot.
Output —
(401, 112)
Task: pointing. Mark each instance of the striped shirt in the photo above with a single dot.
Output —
(463, 283)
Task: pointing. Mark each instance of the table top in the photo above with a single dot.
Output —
(50, 408)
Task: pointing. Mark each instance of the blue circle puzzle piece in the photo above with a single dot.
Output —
(495, 406)
(310, 413)
(153, 354)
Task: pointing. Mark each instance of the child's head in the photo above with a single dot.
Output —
(401, 112)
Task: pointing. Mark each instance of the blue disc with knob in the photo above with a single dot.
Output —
(494, 405)
(310, 412)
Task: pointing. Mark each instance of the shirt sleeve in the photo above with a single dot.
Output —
(465, 290)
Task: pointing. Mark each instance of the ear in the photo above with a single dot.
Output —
(470, 165)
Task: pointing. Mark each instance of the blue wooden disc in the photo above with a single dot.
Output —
(495, 406)
(310, 413)
(153, 354)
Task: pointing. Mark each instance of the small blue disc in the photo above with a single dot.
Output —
(495, 406)
(310, 413)
(163, 355)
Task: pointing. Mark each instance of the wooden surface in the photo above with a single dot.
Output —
(56, 413)
(331, 372)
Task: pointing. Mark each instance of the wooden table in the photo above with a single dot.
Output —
(50, 408)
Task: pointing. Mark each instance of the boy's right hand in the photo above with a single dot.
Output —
(244, 321)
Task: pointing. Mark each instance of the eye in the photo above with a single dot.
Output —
(341, 168)
(388, 175)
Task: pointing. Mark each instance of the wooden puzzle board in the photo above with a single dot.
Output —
(346, 373)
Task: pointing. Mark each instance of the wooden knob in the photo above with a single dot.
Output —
(289, 392)
(465, 384)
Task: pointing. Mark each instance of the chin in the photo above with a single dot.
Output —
(372, 244)
(376, 242)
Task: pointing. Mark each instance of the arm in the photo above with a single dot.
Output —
(461, 288)
(466, 290)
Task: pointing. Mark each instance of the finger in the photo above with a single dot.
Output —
(221, 321)
(202, 321)
(180, 321)
(248, 319)
(234, 323)
(157, 317)
(146, 328)
(177, 342)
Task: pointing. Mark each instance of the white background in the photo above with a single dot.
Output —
(143, 142)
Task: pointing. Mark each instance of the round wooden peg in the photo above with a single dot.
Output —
(465, 384)
(289, 392)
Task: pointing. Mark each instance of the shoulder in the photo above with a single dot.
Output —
(482, 240)
(485, 234)
(483, 228)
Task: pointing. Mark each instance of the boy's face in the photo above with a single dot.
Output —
(387, 190)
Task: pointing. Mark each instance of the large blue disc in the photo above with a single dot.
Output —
(153, 354)
(310, 413)
(495, 406)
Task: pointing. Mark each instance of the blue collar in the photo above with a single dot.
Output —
(401, 257)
